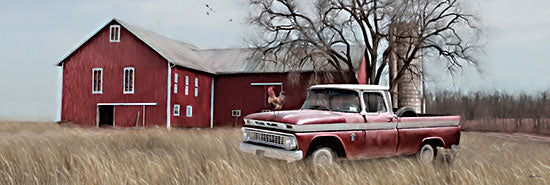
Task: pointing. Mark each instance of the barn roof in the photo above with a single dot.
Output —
(350, 86)
(241, 60)
(213, 61)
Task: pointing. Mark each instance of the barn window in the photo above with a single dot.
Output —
(129, 73)
(176, 83)
(114, 33)
(176, 110)
(196, 87)
(186, 85)
(97, 81)
(189, 112)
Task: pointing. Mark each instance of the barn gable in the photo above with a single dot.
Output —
(174, 51)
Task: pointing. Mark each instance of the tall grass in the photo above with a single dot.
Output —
(32, 153)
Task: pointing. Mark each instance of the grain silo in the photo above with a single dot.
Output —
(405, 90)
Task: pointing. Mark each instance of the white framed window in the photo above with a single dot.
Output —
(186, 85)
(114, 33)
(176, 110)
(97, 81)
(196, 87)
(129, 74)
(176, 83)
(189, 111)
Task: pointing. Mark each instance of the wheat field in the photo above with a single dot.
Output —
(47, 153)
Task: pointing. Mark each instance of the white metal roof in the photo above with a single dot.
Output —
(240, 60)
(174, 51)
(213, 61)
(350, 86)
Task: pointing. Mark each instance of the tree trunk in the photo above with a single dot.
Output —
(350, 78)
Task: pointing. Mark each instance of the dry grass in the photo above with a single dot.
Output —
(32, 153)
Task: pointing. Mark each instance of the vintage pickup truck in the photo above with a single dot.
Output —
(347, 121)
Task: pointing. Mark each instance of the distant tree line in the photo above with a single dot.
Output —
(483, 105)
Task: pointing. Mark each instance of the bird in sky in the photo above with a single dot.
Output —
(209, 9)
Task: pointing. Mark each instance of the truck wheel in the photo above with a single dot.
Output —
(323, 156)
(427, 153)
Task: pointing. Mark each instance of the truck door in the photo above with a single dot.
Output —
(380, 132)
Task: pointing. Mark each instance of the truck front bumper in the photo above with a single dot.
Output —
(275, 153)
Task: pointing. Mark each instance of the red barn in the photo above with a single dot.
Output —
(127, 76)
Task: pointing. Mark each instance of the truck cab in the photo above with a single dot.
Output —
(347, 121)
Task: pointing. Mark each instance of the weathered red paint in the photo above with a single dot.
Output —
(379, 143)
(125, 116)
(375, 143)
(414, 138)
(200, 104)
(305, 117)
(78, 102)
(151, 75)
(374, 134)
(367, 145)
(234, 91)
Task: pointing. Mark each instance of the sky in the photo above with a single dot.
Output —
(34, 35)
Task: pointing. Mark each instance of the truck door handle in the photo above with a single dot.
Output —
(390, 119)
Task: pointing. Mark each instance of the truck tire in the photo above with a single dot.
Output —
(406, 112)
(324, 156)
(427, 153)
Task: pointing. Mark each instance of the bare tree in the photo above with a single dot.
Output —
(322, 33)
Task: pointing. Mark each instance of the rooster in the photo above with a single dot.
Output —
(275, 103)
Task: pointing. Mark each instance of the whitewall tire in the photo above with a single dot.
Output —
(323, 156)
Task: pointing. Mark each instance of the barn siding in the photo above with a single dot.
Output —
(78, 102)
(201, 103)
(125, 116)
(235, 92)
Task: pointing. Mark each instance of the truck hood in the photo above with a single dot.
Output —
(299, 117)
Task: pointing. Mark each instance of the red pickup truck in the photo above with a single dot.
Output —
(347, 121)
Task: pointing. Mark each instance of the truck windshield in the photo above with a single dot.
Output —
(332, 99)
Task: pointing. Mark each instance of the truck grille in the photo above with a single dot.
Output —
(266, 138)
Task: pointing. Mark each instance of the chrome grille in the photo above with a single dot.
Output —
(265, 138)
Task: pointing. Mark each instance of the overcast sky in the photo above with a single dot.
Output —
(34, 35)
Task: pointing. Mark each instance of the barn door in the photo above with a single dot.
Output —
(106, 115)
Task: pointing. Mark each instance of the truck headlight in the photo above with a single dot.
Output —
(289, 143)
(245, 136)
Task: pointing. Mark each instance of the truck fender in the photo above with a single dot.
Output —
(436, 141)
(318, 137)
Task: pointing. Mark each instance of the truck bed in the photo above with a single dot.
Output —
(415, 130)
